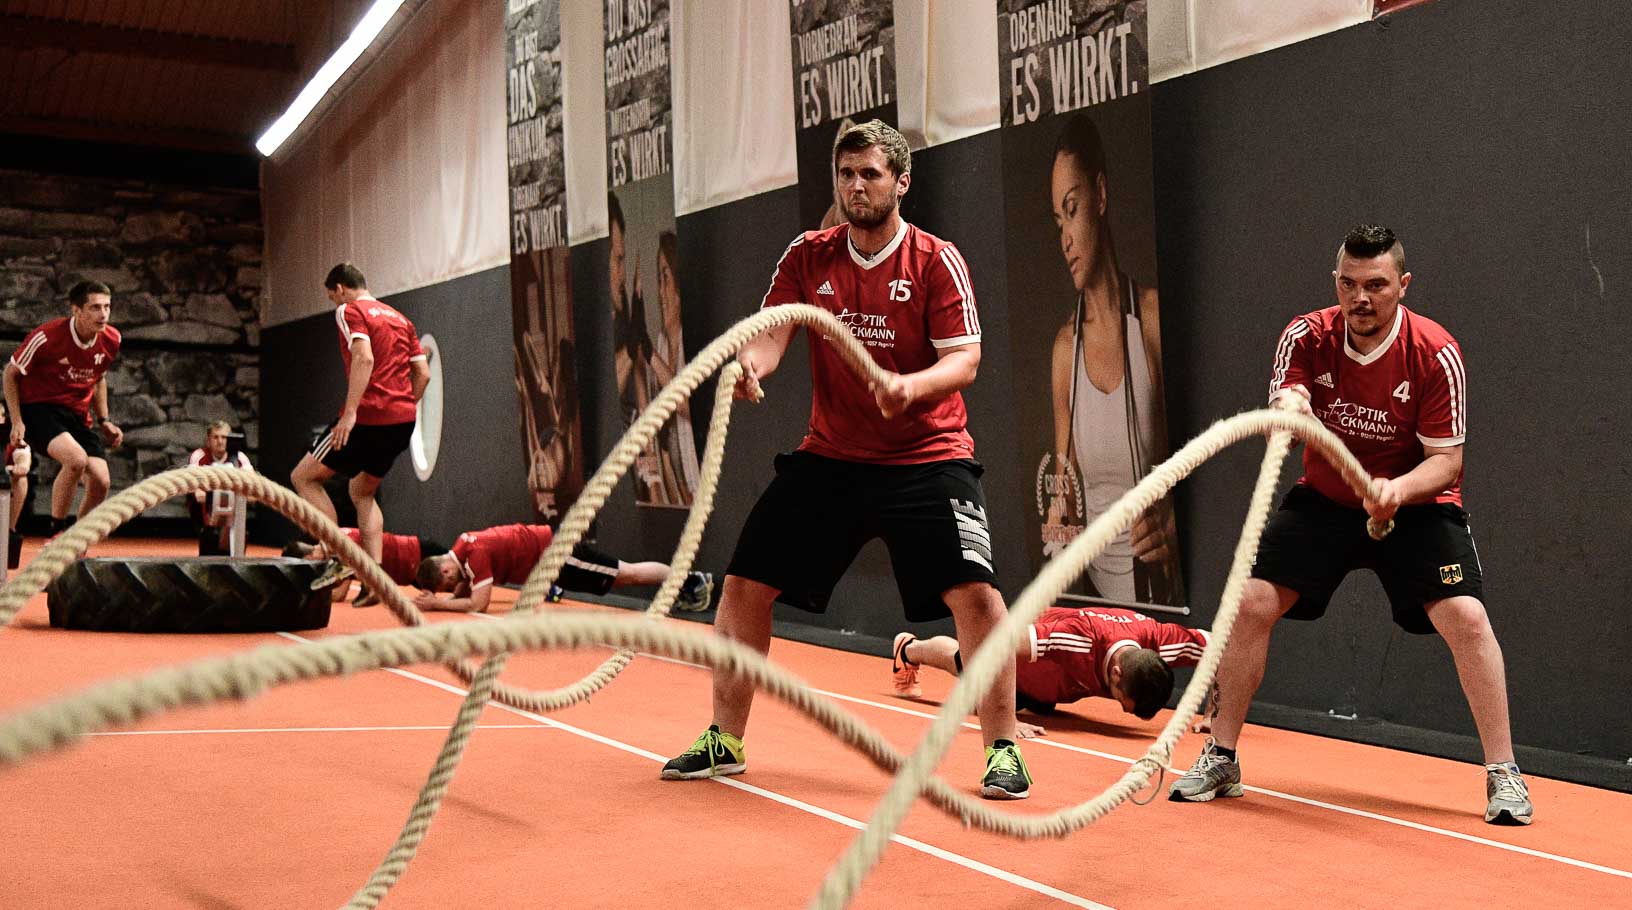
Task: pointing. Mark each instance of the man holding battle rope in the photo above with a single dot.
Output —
(1391, 384)
(893, 461)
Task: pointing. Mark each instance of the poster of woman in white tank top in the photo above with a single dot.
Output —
(1084, 309)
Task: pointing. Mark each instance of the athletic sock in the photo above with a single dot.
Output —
(1227, 753)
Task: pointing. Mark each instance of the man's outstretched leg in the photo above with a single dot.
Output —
(745, 617)
(1465, 626)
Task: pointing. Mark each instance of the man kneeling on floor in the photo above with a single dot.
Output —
(1070, 654)
(506, 555)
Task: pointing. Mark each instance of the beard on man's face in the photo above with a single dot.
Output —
(871, 217)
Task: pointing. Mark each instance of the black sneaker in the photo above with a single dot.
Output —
(1006, 773)
(714, 754)
(695, 592)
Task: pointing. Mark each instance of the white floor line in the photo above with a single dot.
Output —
(928, 849)
(1346, 810)
(441, 727)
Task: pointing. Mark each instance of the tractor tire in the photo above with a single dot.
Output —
(202, 594)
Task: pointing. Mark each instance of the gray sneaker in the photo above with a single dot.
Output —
(1213, 775)
(1509, 797)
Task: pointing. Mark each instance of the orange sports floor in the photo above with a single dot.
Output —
(289, 800)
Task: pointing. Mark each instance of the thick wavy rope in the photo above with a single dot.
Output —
(124, 701)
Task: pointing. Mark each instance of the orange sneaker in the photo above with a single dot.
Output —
(906, 674)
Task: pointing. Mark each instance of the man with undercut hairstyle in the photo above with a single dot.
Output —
(892, 461)
(1391, 384)
(57, 391)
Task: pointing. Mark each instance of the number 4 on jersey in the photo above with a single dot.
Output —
(1403, 391)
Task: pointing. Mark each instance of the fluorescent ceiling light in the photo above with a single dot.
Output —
(344, 56)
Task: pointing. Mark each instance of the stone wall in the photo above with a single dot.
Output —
(184, 264)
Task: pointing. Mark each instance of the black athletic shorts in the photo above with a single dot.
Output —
(588, 571)
(369, 450)
(44, 422)
(817, 514)
(1312, 543)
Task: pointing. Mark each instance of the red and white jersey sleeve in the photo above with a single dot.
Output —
(1293, 355)
(1386, 405)
(394, 342)
(475, 561)
(953, 319)
(902, 303)
(58, 368)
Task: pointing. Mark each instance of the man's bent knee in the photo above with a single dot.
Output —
(1263, 602)
(1459, 619)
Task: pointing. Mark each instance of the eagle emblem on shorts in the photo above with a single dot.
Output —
(1450, 574)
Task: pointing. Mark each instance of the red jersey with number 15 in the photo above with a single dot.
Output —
(389, 397)
(58, 368)
(1410, 391)
(904, 304)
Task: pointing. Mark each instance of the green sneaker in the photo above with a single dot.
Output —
(714, 754)
(1006, 773)
(334, 573)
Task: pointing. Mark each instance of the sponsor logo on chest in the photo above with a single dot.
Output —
(1358, 421)
(871, 329)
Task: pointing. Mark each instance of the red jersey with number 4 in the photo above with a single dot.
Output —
(1071, 650)
(399, 554)
(1409, 392)
(390, 395)
(904, 304)
(505, 554)
(59, 368)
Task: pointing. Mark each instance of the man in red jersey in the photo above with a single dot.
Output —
(507, 554)
(56, 391)
(1069, 654)
(1391, 384)
(894, 461)
(400, 556)
(386, 374)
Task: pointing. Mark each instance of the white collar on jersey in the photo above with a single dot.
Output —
(74, 334)
(1110, 657)
(868, 262)
(1380, 350)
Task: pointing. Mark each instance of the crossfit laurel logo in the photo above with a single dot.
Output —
(973, 533)
(1059, 502)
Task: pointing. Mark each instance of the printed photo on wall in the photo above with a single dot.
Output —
(643, 269)
(1085, 311)
(843, 74)
(547, 379)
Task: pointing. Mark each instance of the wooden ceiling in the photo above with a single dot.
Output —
(193, 74)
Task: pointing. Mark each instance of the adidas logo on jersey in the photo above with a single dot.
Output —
(826, 288)
(1325, 379)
